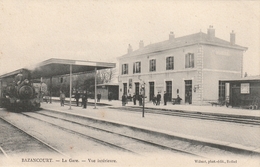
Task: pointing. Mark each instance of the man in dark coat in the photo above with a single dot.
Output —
(178, 100)
(77, 96)
(165, 98)
(62, 98)
(109, 96)
(134, 99)
(84, 99)
(158, 99)
(98, 97)
(140, 99)
(124, 99)
(154, 100)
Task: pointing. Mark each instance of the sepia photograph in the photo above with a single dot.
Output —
(143, 83)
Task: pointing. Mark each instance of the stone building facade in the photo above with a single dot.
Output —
(189, 66)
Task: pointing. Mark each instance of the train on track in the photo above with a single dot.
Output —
(19, 93)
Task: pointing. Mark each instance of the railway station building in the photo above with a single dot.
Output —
(190, 66)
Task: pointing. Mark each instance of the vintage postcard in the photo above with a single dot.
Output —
(129, 83)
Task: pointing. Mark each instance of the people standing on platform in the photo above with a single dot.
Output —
(188, 97)
(140, 99)
(165, 98)
(62, 98)
(158, 99)
(46, 97)
(154, 100)
(134, 99)
(84, 99)
(178, 100)
(98, 97)
(109, 96)
(77, 96)
(129, 97)
(124, 97)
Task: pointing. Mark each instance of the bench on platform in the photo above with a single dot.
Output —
(176, 101)
(220, 102)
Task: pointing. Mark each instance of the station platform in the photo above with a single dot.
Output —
(246, 137)
(183, 107)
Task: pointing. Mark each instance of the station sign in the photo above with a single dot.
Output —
(245, 88)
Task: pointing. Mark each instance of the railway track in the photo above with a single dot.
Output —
(74, 132)
(16, 141)
(147, 140)
(247, 120)
(99, 133)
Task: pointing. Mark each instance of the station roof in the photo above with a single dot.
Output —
(193, 39)
(55, 67)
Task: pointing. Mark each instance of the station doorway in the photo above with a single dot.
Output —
(151, 90)
(188, 91)
(125, 88)
(137, 89)
(169, 90)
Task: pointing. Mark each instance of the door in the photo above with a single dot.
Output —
(169, 90)
(125, 89)
(235, 95)
(151, 90)
(137, 89)
(188, 91)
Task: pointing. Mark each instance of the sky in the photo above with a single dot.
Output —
(32, 31)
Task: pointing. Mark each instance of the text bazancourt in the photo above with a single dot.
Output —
(37, 160)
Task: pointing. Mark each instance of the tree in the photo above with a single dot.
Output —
(105, 75)
(80, 82)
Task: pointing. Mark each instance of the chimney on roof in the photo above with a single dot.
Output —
(141, 44)
(171, 36)
(211, 33)
(232, 38)
(130, 49)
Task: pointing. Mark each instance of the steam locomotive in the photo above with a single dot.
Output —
(21, 94)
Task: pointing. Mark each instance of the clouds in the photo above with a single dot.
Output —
(32, 31)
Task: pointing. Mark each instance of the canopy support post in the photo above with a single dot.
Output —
(70, 84)
(95, 88)
(50, 90)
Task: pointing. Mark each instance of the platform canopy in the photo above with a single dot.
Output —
(55, 67)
